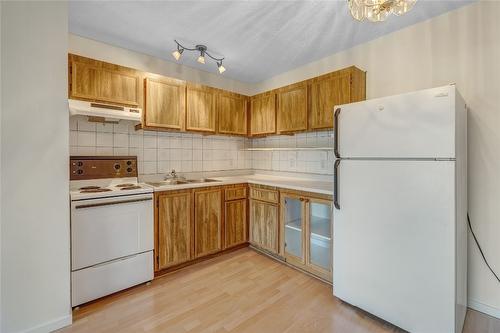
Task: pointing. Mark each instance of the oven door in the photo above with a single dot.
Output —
(109, 228)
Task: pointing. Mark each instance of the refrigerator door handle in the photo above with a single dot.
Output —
(336, 184)
(336, 133)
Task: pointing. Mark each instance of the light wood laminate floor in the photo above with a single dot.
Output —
(243, 291)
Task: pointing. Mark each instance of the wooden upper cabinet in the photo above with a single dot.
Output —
(208, 221)
(327, 91)
(263, 114)
(292, 108)
(200, 108)
(174, 228)
(104, 82)
(164, 104)
(84, 80)
(232, 113)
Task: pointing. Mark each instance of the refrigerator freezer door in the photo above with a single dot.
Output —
(414, 125)
(394, 241)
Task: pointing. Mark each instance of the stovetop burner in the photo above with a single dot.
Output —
(95, 189)
(126, 185)
(90, 188)
(133, 187)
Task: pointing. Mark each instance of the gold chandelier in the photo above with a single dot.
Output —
(378, 10)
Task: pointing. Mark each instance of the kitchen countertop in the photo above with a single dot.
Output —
(292, 183)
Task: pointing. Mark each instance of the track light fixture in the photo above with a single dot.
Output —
(202, 49)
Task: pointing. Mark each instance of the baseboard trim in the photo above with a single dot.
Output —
(484, 308)
(52, 325)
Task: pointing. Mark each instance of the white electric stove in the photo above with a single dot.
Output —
(112, 229)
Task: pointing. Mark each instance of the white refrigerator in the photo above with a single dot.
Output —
(400, 197)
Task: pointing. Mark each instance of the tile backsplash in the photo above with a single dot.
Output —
(303, 161)
(160, 152)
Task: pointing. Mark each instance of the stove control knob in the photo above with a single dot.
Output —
(117, 166)
(79, 171)
(80, 163)
(129, 162)
(129, 169)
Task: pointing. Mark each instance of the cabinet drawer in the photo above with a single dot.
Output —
(235, 193)
(264, 194)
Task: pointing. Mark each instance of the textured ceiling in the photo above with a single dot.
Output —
(259, 39)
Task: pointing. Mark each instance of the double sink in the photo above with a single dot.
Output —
(182, 182)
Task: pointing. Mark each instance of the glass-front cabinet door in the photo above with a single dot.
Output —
(293, 227)
(319, 236)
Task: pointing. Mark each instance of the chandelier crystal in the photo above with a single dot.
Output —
(378, 10)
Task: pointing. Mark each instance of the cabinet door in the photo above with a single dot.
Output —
(84, 80)
(325, 94)
(232, 111)
(293, 226)
(208, 221)
(264, 225)
(319, 237)
(263, 114)
(174, 229)
(118, 86)
(165, 103)
(200, 109)
(235, 222)
(292, 108)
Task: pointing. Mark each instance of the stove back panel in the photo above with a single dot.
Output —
(99, 167)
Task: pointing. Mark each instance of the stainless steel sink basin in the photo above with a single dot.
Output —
(182, 182)
(168, 182)
(202, 180)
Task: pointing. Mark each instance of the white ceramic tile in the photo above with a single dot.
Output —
(164, 142)
(73, 138)
(186, 166)
(163, 167)
(120, 151)
(104, 139)
(86, 151)
(73, 150)
(135, 141)
(175, 154)
(150, 155)
(86, 139)
(104, 151)
(106, 128)
(121, 127)
(197, 166)
(150, 141)
(187, 143)
(73, 123)
(187, 155)
(136, 152)
(149, 168)
(120, 140)
(197, 155)
(163, 154)
(84, 125)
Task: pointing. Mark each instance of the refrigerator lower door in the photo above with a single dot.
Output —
(394, 241)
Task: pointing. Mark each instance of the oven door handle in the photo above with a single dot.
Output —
(109, 203)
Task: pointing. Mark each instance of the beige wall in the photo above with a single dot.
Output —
(461, 47)
(105, 52)
(35, 262)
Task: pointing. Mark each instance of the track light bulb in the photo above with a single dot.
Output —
(222, 69)
(201, 59)
(177, 54)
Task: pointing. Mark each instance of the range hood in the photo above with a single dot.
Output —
(100, 112)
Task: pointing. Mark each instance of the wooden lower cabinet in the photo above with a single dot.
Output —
(264, 225)
(175, 228)
(207, 221)
(235, 222)
(306, 232)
